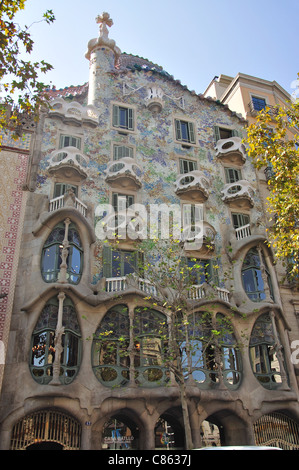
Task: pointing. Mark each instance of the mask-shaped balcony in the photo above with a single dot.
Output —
(73, 112)
(199, 237)
(238, 194)
(68, 162)
(231, 150)
(124, 173)
(193, 186)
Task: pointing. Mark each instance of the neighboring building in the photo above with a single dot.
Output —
(134, 135)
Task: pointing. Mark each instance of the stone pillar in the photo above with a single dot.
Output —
(58, 341)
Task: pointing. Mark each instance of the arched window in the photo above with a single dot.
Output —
(112, 359)
(63, 237)
(150, 337)
(265, 352)
(209, 351)
(255, 276)
(44, 343)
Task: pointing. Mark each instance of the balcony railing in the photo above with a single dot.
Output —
(59, 203)
(195, 292)
(243, 232)
(254, 109)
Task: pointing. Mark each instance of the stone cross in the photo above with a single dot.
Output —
(104, 20)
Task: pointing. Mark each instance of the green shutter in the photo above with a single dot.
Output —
(178, 131)
(130, 119)
(115, 116)
(191, 132)
(212, 272)
(107, 261)
(216, 133)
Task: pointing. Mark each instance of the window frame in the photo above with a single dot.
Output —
(57, 261)
(49, 330)
(190, 131)
(218, 129)
(130, 117)
(77, 141)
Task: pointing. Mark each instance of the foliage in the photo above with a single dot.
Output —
(19, 78)
(273, 144)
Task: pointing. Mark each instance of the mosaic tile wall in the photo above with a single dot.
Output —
(156, 152)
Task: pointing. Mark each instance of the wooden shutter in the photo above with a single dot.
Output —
(178, 132)
(191, 132)
(216, 133)
(115, 116)
(107, 261)
(130, 119)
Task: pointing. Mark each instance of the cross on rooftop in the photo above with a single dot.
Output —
(104, 20)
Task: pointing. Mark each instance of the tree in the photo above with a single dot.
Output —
(273, 143)
(19, 78)
(192, 343)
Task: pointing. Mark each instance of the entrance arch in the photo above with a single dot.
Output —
(120, 432)
(46, 429)
(277, 430)
(169, 432)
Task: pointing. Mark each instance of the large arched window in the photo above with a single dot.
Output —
(266, 354)
(113, 359)
(209, 351)
(110, 357)
(62, 245)
(46, 341)
(150, 337)
(255, 276)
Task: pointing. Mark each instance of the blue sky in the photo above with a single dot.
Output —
(193, 40)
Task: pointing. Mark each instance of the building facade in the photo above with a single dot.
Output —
(74, 376)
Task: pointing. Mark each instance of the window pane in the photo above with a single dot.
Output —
(258, 103)
(75, 265)
(51, 262)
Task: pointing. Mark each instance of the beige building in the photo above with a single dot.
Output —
(87, 332)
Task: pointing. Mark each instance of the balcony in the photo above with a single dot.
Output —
(238, 194)
(243, 232)
(68, 200)
(195, 292)
(124, 173)
(119, 284)
(68, 162)
(231, 150)
(73, 112)
(199, 237)
(255, 109)
(193, 185)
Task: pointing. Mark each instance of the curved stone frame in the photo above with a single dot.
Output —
(126, 343)
(58, 323)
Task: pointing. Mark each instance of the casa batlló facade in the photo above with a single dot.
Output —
(134, 137)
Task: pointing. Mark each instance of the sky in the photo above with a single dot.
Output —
(193, 40)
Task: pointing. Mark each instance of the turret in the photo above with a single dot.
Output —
(103, 56)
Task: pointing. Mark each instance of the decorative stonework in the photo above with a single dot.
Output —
(193, 184)
(239, 193)
(68, 160)
(74, 112)
(125, 172)
(231, 150)
(103, 40)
